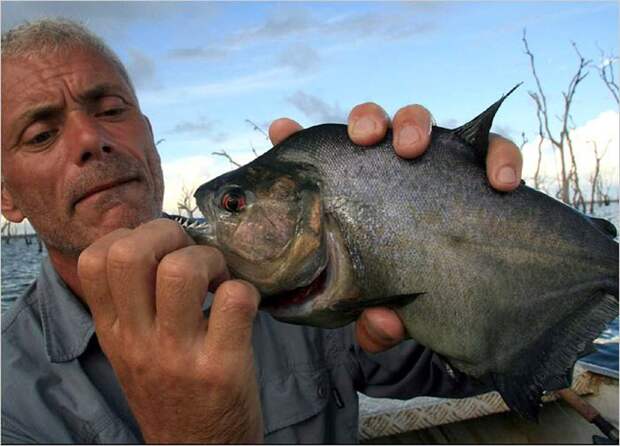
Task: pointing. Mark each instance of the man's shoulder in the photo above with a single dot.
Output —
(22, 334)
(22, 313)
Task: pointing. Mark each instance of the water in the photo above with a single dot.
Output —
(20, 267)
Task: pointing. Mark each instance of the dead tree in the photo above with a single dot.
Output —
(6, 231)
(568, 174)
(27, 237)
(186, 202)
(606, 72)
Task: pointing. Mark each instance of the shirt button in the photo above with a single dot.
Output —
(321, 391)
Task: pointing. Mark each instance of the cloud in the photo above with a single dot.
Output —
(141, 69)
(191, 171)
(602, 131)
(201, 126)
(505, 130)
(301, 58)
(105, 17)
(278, 77)
(390, 21)
(317, 109)
(282, 22)
(206, 53)
(450, 123)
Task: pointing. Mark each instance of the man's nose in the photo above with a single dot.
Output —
(86, 137)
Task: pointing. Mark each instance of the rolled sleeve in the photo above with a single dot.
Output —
(409, 370)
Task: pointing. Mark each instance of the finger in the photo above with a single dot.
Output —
(367, 124)
(412, 131)
(230, 323)
(92, 274)
(282, 128)
(379, 329)
(183, 278)
(132, 266)
(504, 163)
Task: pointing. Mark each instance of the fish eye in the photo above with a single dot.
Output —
(233, 200)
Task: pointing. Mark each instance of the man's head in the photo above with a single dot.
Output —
(78, 157)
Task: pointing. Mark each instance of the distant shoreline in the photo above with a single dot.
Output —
(29, 235)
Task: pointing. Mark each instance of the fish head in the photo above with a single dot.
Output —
(268, 221)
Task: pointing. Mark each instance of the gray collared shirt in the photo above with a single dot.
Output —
(58, 387)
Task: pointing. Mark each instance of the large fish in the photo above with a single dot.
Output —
(510, 287)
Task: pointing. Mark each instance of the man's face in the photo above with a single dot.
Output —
(78, 158)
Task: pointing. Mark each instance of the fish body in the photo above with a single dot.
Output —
(510, 287)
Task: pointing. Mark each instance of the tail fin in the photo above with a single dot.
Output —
(548, 364)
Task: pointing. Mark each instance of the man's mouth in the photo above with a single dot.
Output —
(106, 186)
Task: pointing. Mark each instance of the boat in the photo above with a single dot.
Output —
(485, 419)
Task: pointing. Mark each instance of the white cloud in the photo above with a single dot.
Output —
(191, 171)
(272, 78)
(602, 130)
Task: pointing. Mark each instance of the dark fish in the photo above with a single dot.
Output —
(510, 287)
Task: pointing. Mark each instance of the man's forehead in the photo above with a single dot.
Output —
(38, 77)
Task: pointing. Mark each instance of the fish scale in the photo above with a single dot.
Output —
(506, 287)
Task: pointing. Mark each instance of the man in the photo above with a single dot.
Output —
(80, 163)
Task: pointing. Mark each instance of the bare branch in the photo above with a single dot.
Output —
(606, 72)
(185, 202)
(257, 128)
(227, 156)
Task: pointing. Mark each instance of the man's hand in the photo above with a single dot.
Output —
(187, 379)
(380, 328)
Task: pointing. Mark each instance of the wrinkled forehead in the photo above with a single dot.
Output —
(41, 73)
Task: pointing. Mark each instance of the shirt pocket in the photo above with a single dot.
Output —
(294, 397)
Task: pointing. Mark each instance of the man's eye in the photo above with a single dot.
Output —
(42, 138)
(112, 112)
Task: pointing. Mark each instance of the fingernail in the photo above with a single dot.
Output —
(431, 123)
(408, 136)
(364, 127)
(507, 175)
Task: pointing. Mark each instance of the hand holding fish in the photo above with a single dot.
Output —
(379, 329)
(186, 379)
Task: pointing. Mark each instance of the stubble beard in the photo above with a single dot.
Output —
(68, 234)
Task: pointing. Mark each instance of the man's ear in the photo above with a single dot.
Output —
(9, 210)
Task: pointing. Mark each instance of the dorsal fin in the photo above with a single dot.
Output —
(476, 131)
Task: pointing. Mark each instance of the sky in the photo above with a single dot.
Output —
(202, 70)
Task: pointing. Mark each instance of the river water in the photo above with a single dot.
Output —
(21, 263)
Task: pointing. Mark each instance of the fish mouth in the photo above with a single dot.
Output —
(297, 296)
(317, 301)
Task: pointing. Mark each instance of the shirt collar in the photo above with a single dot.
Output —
(67, 324)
